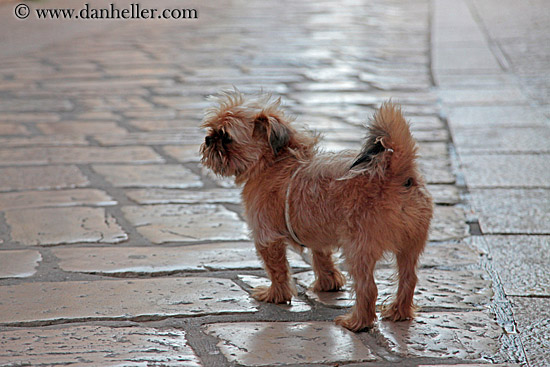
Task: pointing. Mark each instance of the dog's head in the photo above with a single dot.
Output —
(241, 133)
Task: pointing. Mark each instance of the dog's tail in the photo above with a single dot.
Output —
(389, 145)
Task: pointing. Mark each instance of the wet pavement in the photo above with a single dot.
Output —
(118, 248)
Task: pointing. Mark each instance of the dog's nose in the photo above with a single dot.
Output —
(208, 141)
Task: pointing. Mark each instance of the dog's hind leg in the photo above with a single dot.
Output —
(278, 270)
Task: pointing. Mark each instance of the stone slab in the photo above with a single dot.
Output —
(13, 129)
(81, 155)
(288, 343)
(448, 223)
(495, 116)
(149, 175)
(82, 128)
(183, 153)
(532, 317)
(512, 211)
(41, 178)
(19, 263)
(152, 138)
(156, 260)
(295, 305)
(44, 141)
(186, 223)
(444, 194)
(128, 299)
(502, 141)
(436, 289)
(461, 335)
(521, 263)
(437, 171)
(176, 196)
(506, 170)
(94, 345)
(54, 226)
(57, 198)
(482, 96)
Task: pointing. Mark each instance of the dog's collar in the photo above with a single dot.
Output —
(287, 213)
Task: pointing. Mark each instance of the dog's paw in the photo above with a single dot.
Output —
(395, 313)
(271, 295)
(330, 283)
(351, 322)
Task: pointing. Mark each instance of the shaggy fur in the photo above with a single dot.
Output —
(367, 203)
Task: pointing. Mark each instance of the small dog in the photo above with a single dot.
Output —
(366, 203)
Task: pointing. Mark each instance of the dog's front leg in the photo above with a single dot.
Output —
(278, 270)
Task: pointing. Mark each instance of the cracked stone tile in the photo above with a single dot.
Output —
(18, 263)
(448, 223)
(461, 335)
(156, 260)
(436, 289)
(165, 175)
(498, 210)
(81, 155)
(533, 320)
(96, 345)
(521, 263)
(268, 343)
(186, 223)
(57, 198)
(54, 226)
(41, 178)
(126, 299)
(296, 305)
(444, 194)
(176, 196)
(183, 153)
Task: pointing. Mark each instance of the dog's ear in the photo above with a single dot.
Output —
(372, 148)
(270, 128)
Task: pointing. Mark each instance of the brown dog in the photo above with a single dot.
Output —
(366, 203)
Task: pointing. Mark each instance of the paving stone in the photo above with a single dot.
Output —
(19, 263)
(85, 128)
(183, 153)
(282, 343)
(521, 263)
(82, 155)
(128, 299)
(186, 223)
(448, 223)
(464, 59)
(460, 335)
(506, 170)
(166, 175)
(444, 194)
(29, 117)
(503, 141)
(155, 260)
(97, 346)
(479, 96)
(532, 316)
(44, 140)
(437, 171)
(54, 226)
(57, 198)
(152, 138)
(176, 196)
(495, 117)
(13, 129)
(446, 255)
(296, 304)
(160, 125)
(41, 178)
(35, 105)
(436, 289)
(512, 210)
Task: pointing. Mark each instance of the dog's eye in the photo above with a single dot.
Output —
(226, 139)
(409, 182)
